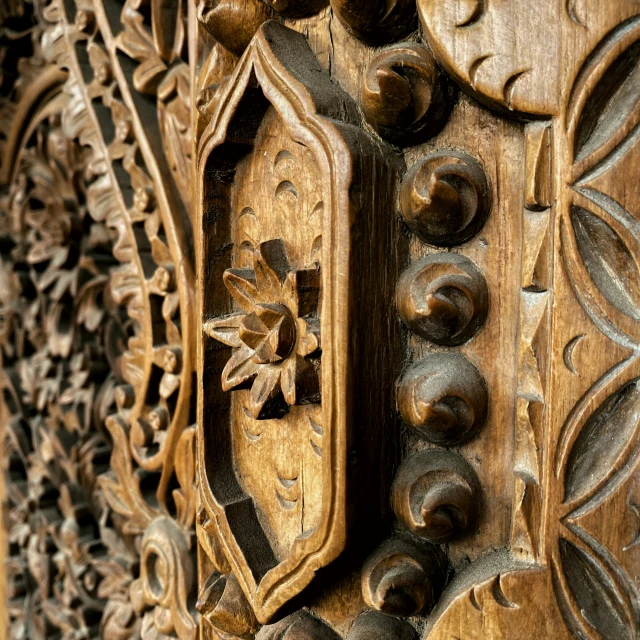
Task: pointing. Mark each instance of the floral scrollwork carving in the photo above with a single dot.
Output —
(444, 298)
(167, 576)
(404, 576)
(436, 495)
(163, 594)
(99, 460)
(275, 335)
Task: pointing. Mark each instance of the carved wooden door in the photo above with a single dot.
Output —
(320, 320)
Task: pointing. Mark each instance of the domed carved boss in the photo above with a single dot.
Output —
(289, 227)
(279, 328)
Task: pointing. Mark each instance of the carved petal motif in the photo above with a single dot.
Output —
(604, 446)
(609, 261)
(600, 603)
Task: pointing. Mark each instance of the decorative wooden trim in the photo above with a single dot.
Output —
(278, 69)
(416, 316)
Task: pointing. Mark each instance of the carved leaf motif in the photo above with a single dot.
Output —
(492, 598)
(603, 116)
(185, 460)
(604, 439)
(610, 112)
(608, 260)
(596, 595)
(123, 494)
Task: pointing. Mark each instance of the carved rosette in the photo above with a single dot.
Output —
(283, 250)
(278, 330)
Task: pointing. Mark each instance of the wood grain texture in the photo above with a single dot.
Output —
(319, 319)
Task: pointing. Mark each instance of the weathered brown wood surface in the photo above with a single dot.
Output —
(320, 319)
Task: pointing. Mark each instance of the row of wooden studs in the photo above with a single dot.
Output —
(445, 199)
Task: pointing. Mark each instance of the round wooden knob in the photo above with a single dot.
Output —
(435, 495)
(444, 298)
(404, 576)
(443, 398)
(298, 626)
(224, 606)
(404, 97)
(445, 198)
(374, 625)
(297, 8)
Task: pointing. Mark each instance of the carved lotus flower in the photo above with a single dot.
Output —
(275, 337)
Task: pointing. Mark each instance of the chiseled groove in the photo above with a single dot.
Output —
(500, 596)
(286, 504)
(283, 156)
(567, 354)
(286, 185)
(473, 599)
(315, 426)
(477, 15)
(475, 66)
(316, 449)
(509, 86)
(287, 482)
(572, 13)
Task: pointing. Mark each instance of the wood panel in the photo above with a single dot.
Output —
(319, 319)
